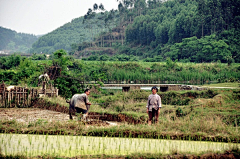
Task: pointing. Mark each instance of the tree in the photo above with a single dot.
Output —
(10, 62)
(202, 11)
(103, 57)
(107, 18)
(61, 60)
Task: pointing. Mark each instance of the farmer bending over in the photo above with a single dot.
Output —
(80, 103)
(153, 106)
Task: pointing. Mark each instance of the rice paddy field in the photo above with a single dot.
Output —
(70, 146)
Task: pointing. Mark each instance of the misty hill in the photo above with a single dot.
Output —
(71, 33)
(15, 42)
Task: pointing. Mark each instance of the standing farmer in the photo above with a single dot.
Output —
(154, 105)
(80, 103)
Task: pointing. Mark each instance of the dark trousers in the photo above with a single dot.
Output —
(76, 110)
(154, 113)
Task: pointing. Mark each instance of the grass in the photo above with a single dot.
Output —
(210, 113)
(149, 64)
(235, 84)
(59, 100)
(213, 117)
(148, 72)
(204, 129)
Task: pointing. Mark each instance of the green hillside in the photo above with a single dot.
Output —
(189, 30)
(71, 33)
(15, 42)
(183, 30)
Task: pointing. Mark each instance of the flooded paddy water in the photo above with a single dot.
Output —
(69, 146)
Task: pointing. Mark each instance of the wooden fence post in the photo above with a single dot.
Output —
(4, 98)
(44, 88)
(12, 95)
(8, 101)
(56, 92)
(18, 95)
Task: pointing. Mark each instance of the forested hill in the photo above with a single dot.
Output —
(71, 33)
(183, 30)
(153, 30)
(16, 42)
(190, 30)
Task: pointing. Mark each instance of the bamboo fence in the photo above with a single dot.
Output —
(22, 96)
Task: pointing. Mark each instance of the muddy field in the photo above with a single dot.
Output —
(31, 114)
(27, 115)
